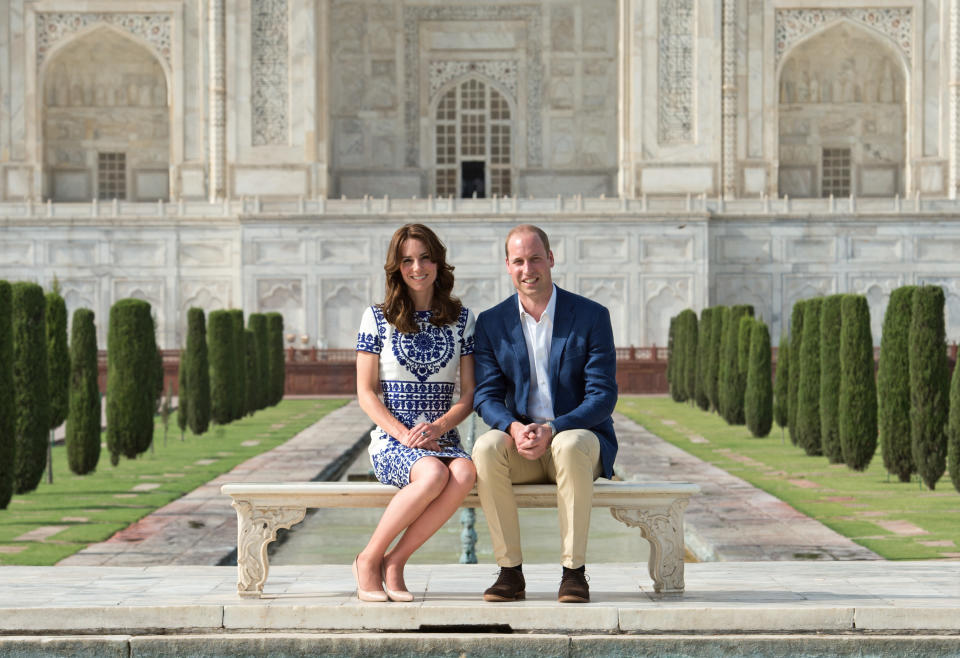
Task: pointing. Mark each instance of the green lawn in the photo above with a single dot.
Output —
(897, 520)
(77, 511)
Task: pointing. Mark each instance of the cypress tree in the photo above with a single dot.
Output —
(239, 364)
(250, 344)
(929, 384)
(808, 393)
(830, 327)
(31, 401)
(198, 372)
(688, 320)
(744, 333)
(276, 358)
(893, 385)
(220, 349)
(793, 390)
(781, 384)
(713, 355)
(733, 383)
(758, 398)
(257, 322)
(858, 391)
(953, 428)
(183, 388)
(131, 352)
(703, 341)
(7, 431)
(83, 421)
(672, 357)
(58, 359)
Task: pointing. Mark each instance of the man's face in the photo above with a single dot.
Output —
(529, 263)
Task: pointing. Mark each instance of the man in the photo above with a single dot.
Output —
(546, 384)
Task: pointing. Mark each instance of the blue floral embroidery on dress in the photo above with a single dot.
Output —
(426, 352)
(466, 346)
(367, 342)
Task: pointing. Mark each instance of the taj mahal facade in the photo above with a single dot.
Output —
(259, 154)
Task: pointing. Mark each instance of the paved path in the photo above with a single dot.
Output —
(731, 520)
(201, 527)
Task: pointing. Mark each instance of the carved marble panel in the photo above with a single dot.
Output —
(562, 25)
(477, 293)
(140, 254)
(666, 250)
(284, 296)
(611, 291)
(597, 27)
(208, 294)
(737, 249)
(675, 71)
(876, 250)
(279, 252)
(149, 290)
(16, 253)
(561, 88)
(204, 254)
(349, 28)
(663, 298)
(343, 250)
(792, 25)
(503, 71)
(876, 288)
(943, 249)
(343, 302)
(269, 72)
(811, 250)
(563, 142)
(80, 293)
(801, 286)
(756, 290)
(474, 250)
(72, 253)
(602, 250)
(153, 27)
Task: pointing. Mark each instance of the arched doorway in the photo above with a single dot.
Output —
(106, 124)
(473, 141)
(842, 116)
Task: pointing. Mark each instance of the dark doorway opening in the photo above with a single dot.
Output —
(471, 179)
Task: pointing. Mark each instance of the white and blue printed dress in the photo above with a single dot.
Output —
(418, 374)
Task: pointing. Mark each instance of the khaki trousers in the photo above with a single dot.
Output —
(572, 462)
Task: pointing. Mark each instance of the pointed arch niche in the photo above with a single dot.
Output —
(106, 120)
(474, 136)
(842, 115)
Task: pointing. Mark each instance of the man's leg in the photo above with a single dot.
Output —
(575, 456)
(499, 466)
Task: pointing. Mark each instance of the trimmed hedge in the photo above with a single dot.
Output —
(858, 390)
(251, 387)
(713, 355)
(8, 444)
(83, 421)
(673, 379)
(276, 359)
(929, 384)
(893, 385)
(31, 397)
(197, 372)
(953, 428)
(257, 322)
(183, 388)
(758, 399)
(808, 392)
(732, 383)
(793, 389)
(781, 384)
(830, 328)
(744, 332)
(131, 353)
(220, 348)
(58, 360)
(239, 364)
(689, 333)
(703, 342)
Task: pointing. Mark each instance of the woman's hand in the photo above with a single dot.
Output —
(424, 436)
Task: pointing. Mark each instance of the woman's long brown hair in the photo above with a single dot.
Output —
(398, 307)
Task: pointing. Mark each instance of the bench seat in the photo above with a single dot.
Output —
(655, 508)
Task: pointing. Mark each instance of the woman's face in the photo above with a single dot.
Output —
(417, 269)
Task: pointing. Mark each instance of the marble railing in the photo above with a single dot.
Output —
(653, 206)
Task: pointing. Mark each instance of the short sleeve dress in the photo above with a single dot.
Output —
(418, 374)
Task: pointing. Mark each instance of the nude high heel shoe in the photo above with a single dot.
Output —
(374, 596)
(401, 596)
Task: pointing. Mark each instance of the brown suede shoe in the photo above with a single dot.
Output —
(510, 586)
(573, 587)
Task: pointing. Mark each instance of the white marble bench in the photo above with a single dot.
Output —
(655, 508)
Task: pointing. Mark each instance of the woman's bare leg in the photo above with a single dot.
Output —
(428, 479)
(461, 480)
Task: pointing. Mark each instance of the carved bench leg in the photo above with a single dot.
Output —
(256, 528)
(664, 530)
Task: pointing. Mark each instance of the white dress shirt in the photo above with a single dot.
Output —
(539, 336)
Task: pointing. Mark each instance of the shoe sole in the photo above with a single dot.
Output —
(570, 598)
(496, 598)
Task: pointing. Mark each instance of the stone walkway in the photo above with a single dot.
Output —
(201, 527)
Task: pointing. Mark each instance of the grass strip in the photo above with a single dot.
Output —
(75, 511)
(897, 520)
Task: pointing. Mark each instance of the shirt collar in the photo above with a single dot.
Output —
(549, 311)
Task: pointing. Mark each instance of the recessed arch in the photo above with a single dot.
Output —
(106, 106)
(842, 114)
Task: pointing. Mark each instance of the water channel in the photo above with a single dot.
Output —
(334, 536)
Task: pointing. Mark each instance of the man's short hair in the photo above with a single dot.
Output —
(526, 228)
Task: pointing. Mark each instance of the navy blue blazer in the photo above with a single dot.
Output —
(583, 369)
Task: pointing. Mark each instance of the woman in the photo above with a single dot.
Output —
(408, 349)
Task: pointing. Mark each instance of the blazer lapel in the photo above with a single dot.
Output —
(562, 324)
(515, 331)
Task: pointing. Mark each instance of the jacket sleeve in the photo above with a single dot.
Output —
(600, 378)
(489, 397)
